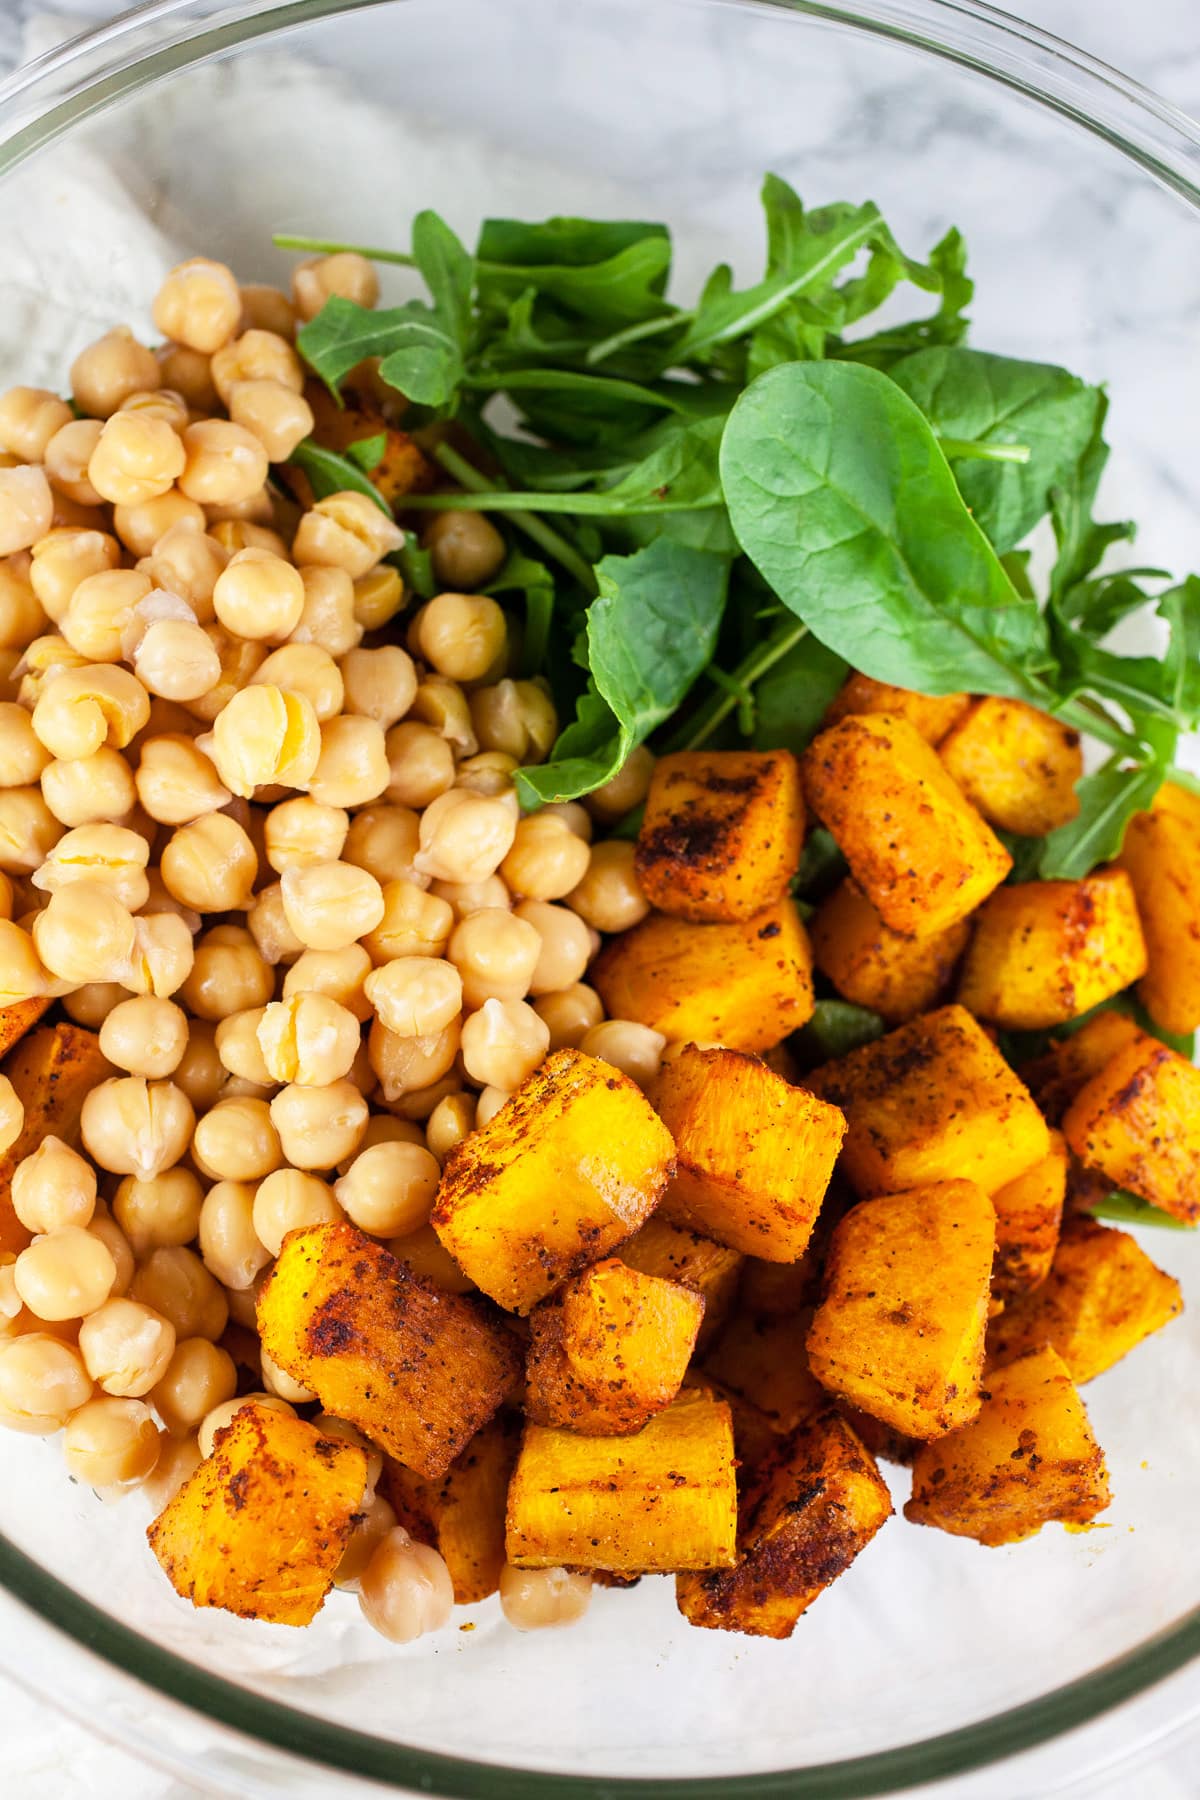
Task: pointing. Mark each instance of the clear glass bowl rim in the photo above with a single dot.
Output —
(84, 77)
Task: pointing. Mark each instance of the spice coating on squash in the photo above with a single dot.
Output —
(722, 832)
(53, 1070)
(931, 715)
(1016, 764)
(1138, 1122)
(678, 1254)
(876, 967)
(1161, 855)
(260, 1527)
(462, 1513)
(1055, 1078)
(1028, 1217)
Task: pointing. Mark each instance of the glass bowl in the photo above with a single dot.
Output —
(193, 125)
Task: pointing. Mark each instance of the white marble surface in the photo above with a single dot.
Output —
(46, 1758)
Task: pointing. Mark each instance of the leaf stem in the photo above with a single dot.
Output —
(635, 334)
(480, 489)
(285, 240)
(597, 505)
(977, 451)
(731, 688)
(1090, 716)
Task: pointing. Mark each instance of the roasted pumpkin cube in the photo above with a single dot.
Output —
(259, 1527)
(1055, 1078)
(764, 1361)
(746, 984)
(19, 1018)
(806, 1514)
(1103, 1295)
(1016, 764)
(722, 832)
(402, 469)
(753, 1154)
(1028, 1216)
(1045, 951)
(1028, 1459)
(1138, 1122)
(1161, 856)
(932, 715)
(569, 1167)
(932, 1101)
(462, 1514)
(53, 1070)
(678, 1254)
(900, 1331)
(916, 846)
(609, 1350)
(419, 1370)
(663, 1500)
(876, 967)
(755, 1436)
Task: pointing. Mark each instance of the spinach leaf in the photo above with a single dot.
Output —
(840, 496)
(1082, 542)
(834, 1030)
(971, 395)
(1122, 1208)
(329, 473)
(1107, 801)
(521, 574)
(790, 701)
(650, 632)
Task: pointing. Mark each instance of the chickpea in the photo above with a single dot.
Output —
(610, 897)
(176, 782)
(547, 859)
(464, 837)
(225, 464)
(339, 974)
(200, 1072)
(64, 559)
(278, 417)
(187, 562)
(345, 531)
(89, 789)
(345, 273)
(199, 1377)
(29, 418)
(466, 548)
(306, 669)
(410, 1065)
(442, 705)
(257, 356)
(161, 1213)
(413, 924)
(67, 457)
(308, 1039)
(491, 1099)
(634, 1049)
(146, 1036)
(177, 660)
(12, 1115)
(238, 1048)
(268, 925)
(28, 830)
(111, 1444)
(80, 710)
(240, 658)
(289, 1200)
(22, 975)
(229, 1244)
(100, 612)
(224, 1415)
(383, 840)
(378, 597)
(319, 1126)
(141, 526)
(405, 1589)
(420, 765)
(416, 996)
(22, 756)
(543, 1599)
(367, 1533)
(105, 374)
(132, 1126)
(163, 957)
(258, 595)
(136, 459)
(379, 684)
(112, 856)
(26, 508)
(353, 766)
(466, 897)
(490, 773)
(199, 304)
(462, 635)
(496, 953)
(230, 975)
(237, 1141)
(53, 1187)
(84, 933)
(66, 1274)
(178, 1460)
(330, 905)
(328, 619)
(91, 1004)
(627, 789)
(210, 865)
(451, 1120)
(42, 1382)
(503, 1042)
(126, 1346)
(159, 403)
(385, 1128)
(21, 614)
(174, 1282)
(569, 1013)
(277, 1381)
(234, 534)
(263, 737)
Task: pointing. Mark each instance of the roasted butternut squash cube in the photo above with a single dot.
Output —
(419, 1370)
(805, 1516)
(462, 1514)
(932, 715)
(754, 1435)
(1028, 1459)
(900, 1331)
(53, 1070)
(775, 1290)
(1055, 1078)
(916, 846)
(876, 967)
(1103, 1295)
(1028, 1216)
(932, 1101)
(1016, 764)
(663, 1500)
(569, 1167)
(259, 1527)
(1138, 1122)
(1161, 856)
(609, 1350)
(678, 1254)
(1045, 951)
(722, 832)
(753, 1154)
(746, 984)
(19, 1018)
(402, 469)
(764, 1361)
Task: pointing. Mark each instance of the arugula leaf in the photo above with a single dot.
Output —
(840, 496)
(416, 566)
(948, 325)
(834, 1030)
(1107, 801)
(650, 633)
(1130, 1209)
(1099, 604)
(609, 273)
(1000, 400)
(330, 473)
(1082, 543)
(521, 574)
(1180, 607)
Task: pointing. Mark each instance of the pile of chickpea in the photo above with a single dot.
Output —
(275, 856)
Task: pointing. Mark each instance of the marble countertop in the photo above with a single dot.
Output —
(47, 1758)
